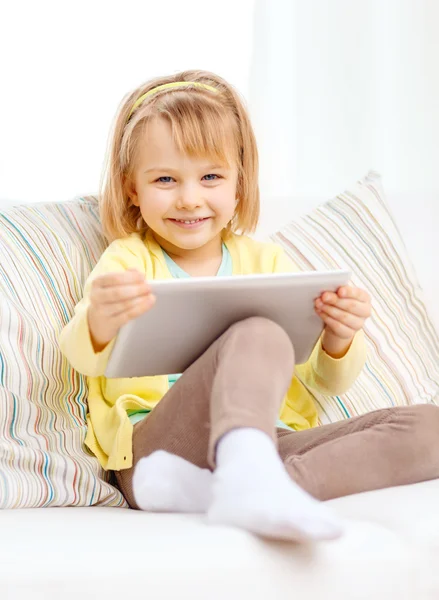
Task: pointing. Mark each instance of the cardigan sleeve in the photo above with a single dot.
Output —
(74, 340)
(321, 372)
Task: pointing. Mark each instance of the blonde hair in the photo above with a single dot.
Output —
(201, 123)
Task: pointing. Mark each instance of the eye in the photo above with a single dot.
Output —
(210, 175)
(160, 179)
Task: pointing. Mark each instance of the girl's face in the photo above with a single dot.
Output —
(171, 188)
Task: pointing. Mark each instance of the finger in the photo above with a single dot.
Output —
(345, 292)
(135, 309)
(339, 329)
(346, 318)
(119, 294)
(122, 278)
(112, 311)
(348, 291)
(329, 297)
(360, 309)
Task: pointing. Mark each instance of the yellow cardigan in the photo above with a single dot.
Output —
(109, 430)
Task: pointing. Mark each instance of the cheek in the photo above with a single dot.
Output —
(224, 198)
(155, 201)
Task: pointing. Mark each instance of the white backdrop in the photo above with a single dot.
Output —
(338, 86)
(64, 72)
(335, 87)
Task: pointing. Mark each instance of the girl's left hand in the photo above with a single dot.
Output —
(344, 312)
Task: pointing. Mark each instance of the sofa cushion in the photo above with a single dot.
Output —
(46, 253)
(356, 230)
(388, 552)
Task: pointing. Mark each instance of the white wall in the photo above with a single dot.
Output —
(65, 66)
(341, 86)
(335, 87)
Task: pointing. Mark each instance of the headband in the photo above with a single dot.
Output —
(165, 86)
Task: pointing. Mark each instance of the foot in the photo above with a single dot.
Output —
(252, 490)
(164, 482)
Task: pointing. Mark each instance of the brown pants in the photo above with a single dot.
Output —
(240, 381)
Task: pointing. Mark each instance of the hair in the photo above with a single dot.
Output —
(203, 123)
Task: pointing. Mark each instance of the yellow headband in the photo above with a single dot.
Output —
(166, 86)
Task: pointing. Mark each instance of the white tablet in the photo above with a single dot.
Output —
(190, 314)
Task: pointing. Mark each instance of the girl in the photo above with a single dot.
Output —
(179, 195)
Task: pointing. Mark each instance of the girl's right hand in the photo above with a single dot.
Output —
(115, 299)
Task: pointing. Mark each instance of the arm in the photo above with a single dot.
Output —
(75, 340)
(333, 376)
(336, 361)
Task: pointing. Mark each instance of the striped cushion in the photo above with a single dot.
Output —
(46, 253)
(356, 230)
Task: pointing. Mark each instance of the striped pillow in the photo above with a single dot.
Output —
(46, 253)
(356, 230)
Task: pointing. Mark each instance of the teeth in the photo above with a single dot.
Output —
(187, 222)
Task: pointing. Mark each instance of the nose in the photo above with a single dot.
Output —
(189, 197)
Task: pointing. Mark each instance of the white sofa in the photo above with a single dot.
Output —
(390, 549)
(385, 555)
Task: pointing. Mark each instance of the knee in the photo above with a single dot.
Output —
(427, 426)
(267, 334)
(427, 417)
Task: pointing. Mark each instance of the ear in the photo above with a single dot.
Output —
(130, 191)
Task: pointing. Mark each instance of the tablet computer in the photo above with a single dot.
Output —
(190, 314)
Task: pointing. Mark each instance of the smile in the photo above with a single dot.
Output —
(183, 221)
(189, 224)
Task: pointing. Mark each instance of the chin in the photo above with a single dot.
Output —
(189, 240)
(186, 244)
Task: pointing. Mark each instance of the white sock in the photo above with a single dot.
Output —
(164, 482)
(252, 490)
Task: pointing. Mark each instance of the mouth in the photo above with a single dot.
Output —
(189, 223)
